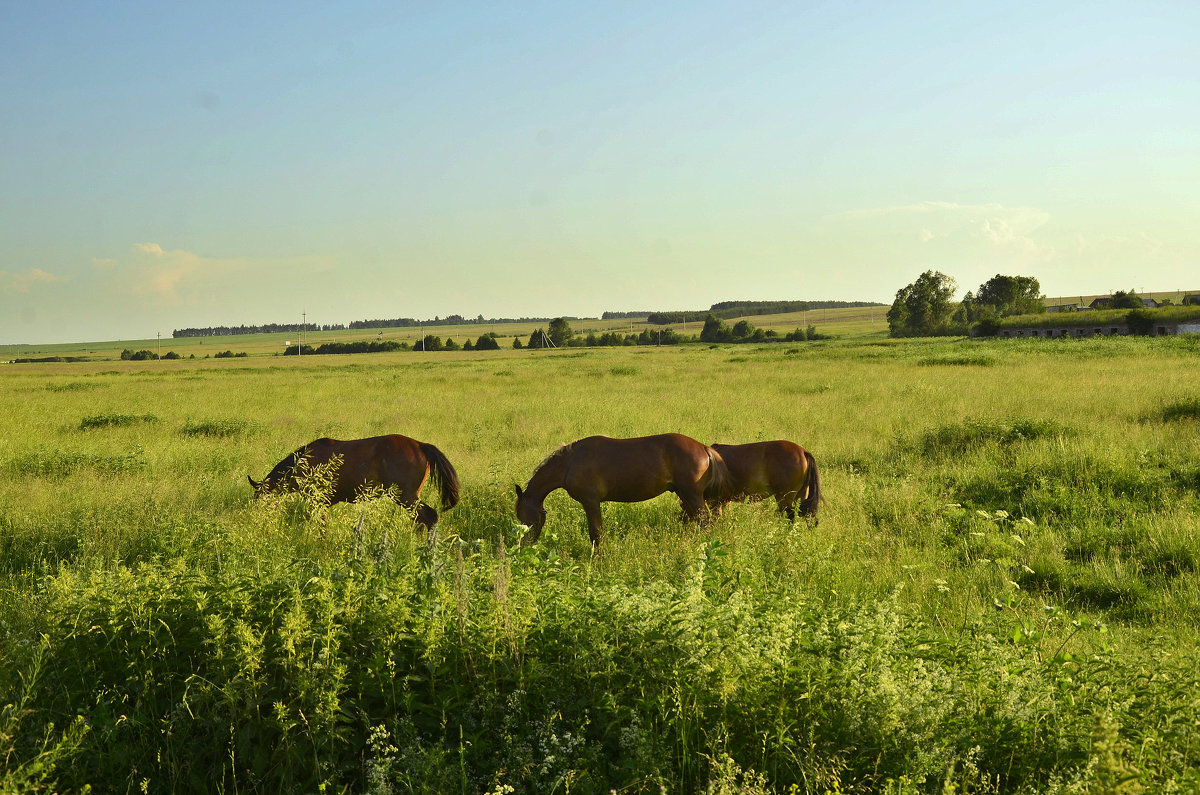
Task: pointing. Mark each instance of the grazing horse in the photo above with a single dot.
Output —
(382, 461)
(599, 469)
(781, 469)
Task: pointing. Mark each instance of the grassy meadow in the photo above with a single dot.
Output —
(841, 322)
(1000, 595)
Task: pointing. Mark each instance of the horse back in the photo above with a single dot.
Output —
(631, 470)
(762, 468)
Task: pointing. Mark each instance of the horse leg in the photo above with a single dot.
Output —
(427, 517)
(595, 522)
(694, 506)
(786, 502)
(423, 515)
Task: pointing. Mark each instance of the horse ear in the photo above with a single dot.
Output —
(254, 483)
(518, 488)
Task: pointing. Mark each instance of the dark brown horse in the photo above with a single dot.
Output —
(599, 469)
(780, 469)
(381, 461)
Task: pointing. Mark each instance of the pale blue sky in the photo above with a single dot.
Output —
(165, 166)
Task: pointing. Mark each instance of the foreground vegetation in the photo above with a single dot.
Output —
(999, 596)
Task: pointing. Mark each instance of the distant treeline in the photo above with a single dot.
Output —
(27, 360)
(449, 320)
(374, 346)
(269, 328)
(727, 309)
(723, 309)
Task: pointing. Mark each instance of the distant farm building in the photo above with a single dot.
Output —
(1111, 329)
(1106, 303)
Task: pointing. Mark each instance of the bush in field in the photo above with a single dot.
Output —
(114, 420)
(1140, 321)
(218, 428)
(958, 438)
(1125, 300)
(429, 343)
(487, 342)
(1188, 409)
(715, 330)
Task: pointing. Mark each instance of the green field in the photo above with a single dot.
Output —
(1000, 595)
(841, 322)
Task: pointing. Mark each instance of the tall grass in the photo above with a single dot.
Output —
(998, 597)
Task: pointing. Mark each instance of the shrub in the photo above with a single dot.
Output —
(218, 428)
(1140, 321)
(1188, 409)
(114, 420)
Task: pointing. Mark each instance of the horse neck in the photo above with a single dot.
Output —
(546, 478)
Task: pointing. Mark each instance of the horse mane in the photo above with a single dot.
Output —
(562, 451)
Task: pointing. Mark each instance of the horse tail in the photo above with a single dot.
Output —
(442, 474)
(720, 481)
(813, 483)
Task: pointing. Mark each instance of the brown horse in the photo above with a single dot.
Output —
(781, 469)
(599, 469)
(381, 461)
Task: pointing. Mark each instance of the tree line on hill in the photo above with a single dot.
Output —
(559, 334)
(926, 307)
(398, 322)
(449, 320)
(721, 309)
(729, 309)
(266, 328)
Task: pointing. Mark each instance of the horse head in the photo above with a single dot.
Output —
(529, 512)
(261, 487)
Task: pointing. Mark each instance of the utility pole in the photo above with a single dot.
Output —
(160, 345)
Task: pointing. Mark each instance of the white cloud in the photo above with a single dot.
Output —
(24, 281)
(174, 277)
(962, 228)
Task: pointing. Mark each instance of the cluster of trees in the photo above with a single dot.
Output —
(624, 315)
(728, 309)
(559, 334)
(130, 355)
(449, 320)
(1126, 300)
(430, 342)
(717, 330)
(268, 328)
(926, 307)
(361, 346)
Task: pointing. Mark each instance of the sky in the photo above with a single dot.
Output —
(172, 165)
